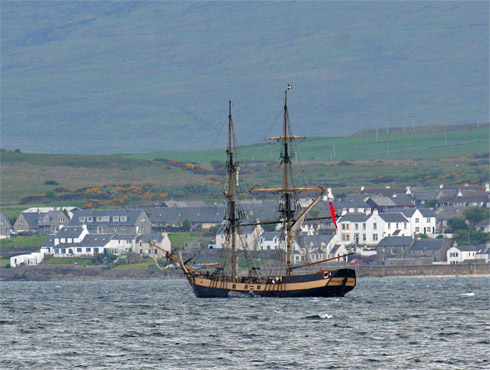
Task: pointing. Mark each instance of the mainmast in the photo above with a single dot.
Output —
(231, 213)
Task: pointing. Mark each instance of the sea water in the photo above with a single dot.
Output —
(385, 323)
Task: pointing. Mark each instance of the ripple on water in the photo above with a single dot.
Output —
(429, 324)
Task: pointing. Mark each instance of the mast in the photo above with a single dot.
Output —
(287, 205)
(287, 209)
(231, 214)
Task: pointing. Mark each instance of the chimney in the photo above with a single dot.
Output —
(409, 191)
(441, 186)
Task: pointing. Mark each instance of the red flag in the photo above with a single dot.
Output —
(332, 213)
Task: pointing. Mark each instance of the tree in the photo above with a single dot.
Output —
(474, 215)
(186, 225)
(457, 223)
(431, 203)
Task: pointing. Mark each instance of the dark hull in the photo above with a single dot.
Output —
(336, 284)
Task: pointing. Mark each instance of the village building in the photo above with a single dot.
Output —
(175, 218)
(76, 241)
(5, 226)
(483, 226)
(248, 239)
(393, 247)
(40, 221)
(460, 253)
(435, 249)
(113, 221)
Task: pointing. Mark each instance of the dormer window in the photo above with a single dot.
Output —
(123, 218)
(90, 219)
(115, 219)
(81, 219)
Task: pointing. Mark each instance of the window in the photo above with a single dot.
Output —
(405, 225)
(363, 237)
(88, 250)
(417, 229)
(375, 237)
(21, 222)
(428, 219)
(81, 219)
(143, 219)
(96, 250)
(346, 237)
(90, 219)
(375, 226)
(123, 218)
(156, 251)
(345, 226)
(357, 226)
(79, 250)
(416, 220)
(115, 219)
(364, 226)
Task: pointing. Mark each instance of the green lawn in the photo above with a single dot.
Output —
(23, 241)
(67, 261)
(178, 238)
(137, 266)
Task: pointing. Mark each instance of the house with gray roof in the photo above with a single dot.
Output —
(433, 248)
(483, 226)
(38, 222)
(460, 253)
(394, 247)
(173, 218)
(76, 241)
(381, 202)
(113, 221)
(5, 226)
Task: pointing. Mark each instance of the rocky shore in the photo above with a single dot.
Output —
(75, 272)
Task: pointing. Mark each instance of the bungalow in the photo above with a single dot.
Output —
(113, 221)
(5, 226)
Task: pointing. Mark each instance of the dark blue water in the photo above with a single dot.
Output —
(418, 323)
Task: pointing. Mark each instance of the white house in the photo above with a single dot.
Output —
(460, 253)
(248, 238)
(359, 228)
(76, 241)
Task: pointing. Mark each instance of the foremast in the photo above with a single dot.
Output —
(287, 206)
(231, 217)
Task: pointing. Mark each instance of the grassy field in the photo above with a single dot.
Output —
(67, 261)
(450, 157)
(23, 241)
(419, 145)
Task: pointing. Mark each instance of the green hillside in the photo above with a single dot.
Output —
(466, 140)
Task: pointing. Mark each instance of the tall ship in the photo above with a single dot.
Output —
(286, 279)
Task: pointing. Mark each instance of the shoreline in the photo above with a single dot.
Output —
(80, 273)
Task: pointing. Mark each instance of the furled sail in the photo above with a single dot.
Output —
(299, 221)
